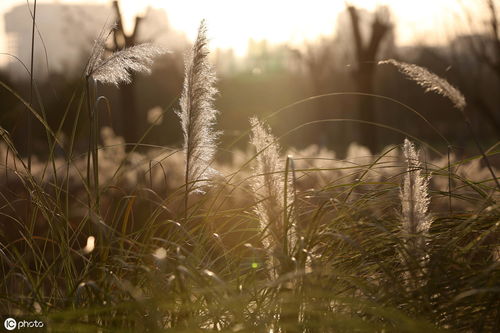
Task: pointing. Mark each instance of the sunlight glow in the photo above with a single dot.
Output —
(231, 24)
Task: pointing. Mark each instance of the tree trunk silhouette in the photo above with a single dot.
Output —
(131, 120)
(364, 74)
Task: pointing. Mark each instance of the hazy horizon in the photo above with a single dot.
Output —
(413, 21)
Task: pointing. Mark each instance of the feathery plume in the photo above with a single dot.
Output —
(429, 81)
(268, 186)
(414, 194)
(197, 113)
(98, 49)
(416, 220)
(118, 67)
(432, 82)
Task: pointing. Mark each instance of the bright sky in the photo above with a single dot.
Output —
(232, 22)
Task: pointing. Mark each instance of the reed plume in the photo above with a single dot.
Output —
(414, 194)
(119, 66)
(198, 115)
(416, 220)
(429, 81)
(269, 189)
(432, 82)
(115, 69)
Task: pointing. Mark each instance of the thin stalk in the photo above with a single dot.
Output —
(413, 222)
(29, 138)
(29, 121)
(285, 209)
(95, 157)
(186, 176)
(150, 174)
(449, 180)
(70, 149)
(89, 149)
(188, 153)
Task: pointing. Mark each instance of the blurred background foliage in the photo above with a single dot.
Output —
(271, 76)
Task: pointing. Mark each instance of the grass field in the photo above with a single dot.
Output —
(129, 238)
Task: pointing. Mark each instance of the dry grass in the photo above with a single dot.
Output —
(309, 243)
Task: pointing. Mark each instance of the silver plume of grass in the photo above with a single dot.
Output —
(416, 220)
(198, 115)
(429, 81)
(414, 194)
(432, 82)
(268, 188)
(119, 66)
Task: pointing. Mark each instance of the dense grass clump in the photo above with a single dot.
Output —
(274, 241)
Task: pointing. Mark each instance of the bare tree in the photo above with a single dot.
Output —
(130, 115)
(365, 58)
